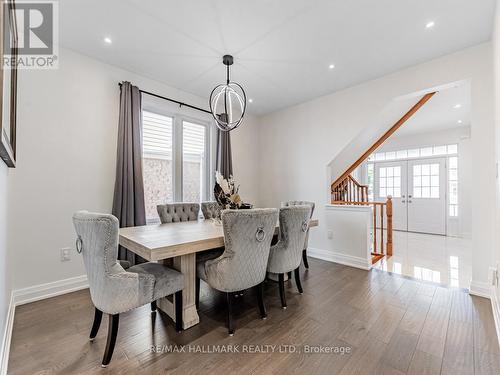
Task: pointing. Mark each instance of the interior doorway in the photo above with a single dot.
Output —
(418, 190)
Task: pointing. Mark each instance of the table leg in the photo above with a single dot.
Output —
(186, 264)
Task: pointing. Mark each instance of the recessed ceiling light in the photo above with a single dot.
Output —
(456, 106)
(430, 25)
(331, 66)
(250, 100)
(108, 40)
(459, 121)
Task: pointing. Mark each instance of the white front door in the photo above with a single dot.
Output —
(391, 179)
(427, 196)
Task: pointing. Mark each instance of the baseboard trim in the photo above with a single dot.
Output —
(480, 289)
(31, 294)
(55, 288)
(495, 306)
(344, 259)
(7, 335)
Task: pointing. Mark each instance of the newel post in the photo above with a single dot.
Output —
(389, 225)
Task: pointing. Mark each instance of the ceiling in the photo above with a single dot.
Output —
(442, 112)
(282, 48)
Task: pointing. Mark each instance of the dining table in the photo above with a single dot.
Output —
(176, 245)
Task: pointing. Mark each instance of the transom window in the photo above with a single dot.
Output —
(426, 181)
(415, 153)
(390, 182)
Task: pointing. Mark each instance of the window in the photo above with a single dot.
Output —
(453, 186)
(176, 160)
(426, 181)
(390, 182)
(157, 161)
(415, 153)
(193, 159)
(370, 172)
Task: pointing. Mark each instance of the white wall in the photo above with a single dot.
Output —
(298, 143)
(496, 75)
(67, 131)
(4, 267)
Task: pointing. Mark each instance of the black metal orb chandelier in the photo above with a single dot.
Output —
(228, 101)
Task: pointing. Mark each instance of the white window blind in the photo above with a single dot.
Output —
(157, 135)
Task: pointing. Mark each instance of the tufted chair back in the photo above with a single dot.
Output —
(112, 289)
(247, 239)
(175, 212)
(210, 209)
(301, 203)
(286, 255)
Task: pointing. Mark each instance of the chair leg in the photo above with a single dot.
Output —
(178, 311)
(96, 325)
(289, 275)
(153, 306)
(297, 280)
(112, 333)
(230, 324)
(197, 297)
(260, 299)
(304, 258)
(281, 282)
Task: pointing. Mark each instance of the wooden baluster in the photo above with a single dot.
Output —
(381, 229)
(374, 228)
(389, 225)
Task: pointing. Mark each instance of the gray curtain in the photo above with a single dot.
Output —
(128, 200)
(224, 159)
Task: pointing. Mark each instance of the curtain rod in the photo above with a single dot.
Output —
(182, 104)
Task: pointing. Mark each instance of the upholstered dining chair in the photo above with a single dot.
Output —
(114, 290)
(247, 239)
(285, 256)
(306, 242)
(210, 209)
(176, 212)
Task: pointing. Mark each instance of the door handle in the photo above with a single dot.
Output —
(409, 196)
(409, 201)
(403, 201)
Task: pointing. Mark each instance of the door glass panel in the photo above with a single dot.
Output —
(426, 181)
(193, 166)
(390, 182)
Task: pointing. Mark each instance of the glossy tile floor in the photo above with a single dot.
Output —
(440, 259)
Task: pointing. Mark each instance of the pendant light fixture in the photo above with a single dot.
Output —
(228, 101)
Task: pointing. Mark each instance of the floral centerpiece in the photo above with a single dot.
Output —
(226, 192)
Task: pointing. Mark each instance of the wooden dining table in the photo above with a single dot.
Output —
(176, 245)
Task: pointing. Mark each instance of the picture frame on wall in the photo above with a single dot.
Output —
(8, 82)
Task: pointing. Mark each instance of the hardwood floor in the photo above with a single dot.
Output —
(392, 325)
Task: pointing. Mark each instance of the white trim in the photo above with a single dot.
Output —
(340, 258)
(31, 294)
(480, 289)
(495, 306)
(347, 207)
(55, 288)
(7, 336)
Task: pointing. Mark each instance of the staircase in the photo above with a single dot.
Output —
(346, 190)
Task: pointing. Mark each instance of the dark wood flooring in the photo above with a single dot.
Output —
(392, 325)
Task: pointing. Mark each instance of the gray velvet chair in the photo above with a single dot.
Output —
(306, 242)
(285, 256)
(210, 209)
(247, 240)
(112, 289)
(176, 212)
